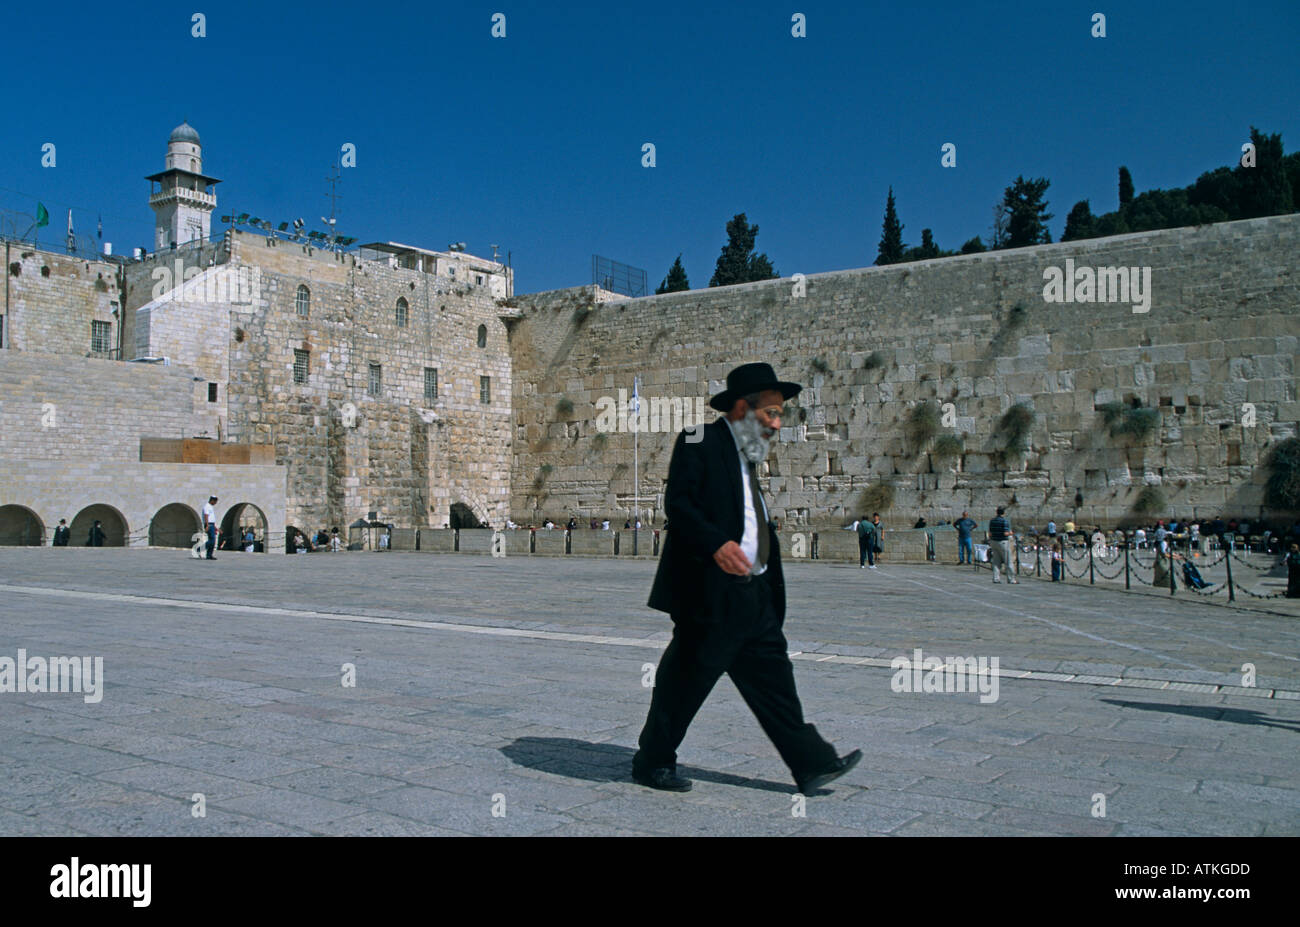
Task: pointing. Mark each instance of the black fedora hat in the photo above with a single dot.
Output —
(748, 379)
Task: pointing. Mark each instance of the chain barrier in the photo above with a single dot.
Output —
(1119, 568)
(1246, 563)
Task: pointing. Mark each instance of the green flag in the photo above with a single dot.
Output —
(42, 216)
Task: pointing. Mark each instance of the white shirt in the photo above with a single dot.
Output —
(209, 515)
(748, 540)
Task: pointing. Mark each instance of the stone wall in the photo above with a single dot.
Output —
(973, 331)
(51, 300)
(76, 408)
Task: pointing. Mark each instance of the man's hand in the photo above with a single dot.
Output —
(731, 559)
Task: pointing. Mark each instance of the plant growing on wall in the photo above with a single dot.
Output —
(947, 447)
(922, 424)
(1149, 501)
(1013, 430)
(1282, 491)
(820, 366)
(564, 408)
(879, 497)
(874, 361)
(1133, 423)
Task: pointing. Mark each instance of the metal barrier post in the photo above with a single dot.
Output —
(1173, 585)
(1127, 581)
(1227, 558)
(1092, 573)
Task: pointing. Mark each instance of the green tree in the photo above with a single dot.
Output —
(891, 235)
(676, 280)
(928, 248)
(737, 263)
(974, 246)
(1125, 187)
(1265, 189)
(1026, 212)
(1079, 223)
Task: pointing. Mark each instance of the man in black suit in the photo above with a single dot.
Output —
(62, 533)
(720, 578)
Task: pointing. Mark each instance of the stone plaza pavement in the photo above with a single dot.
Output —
(505, 696)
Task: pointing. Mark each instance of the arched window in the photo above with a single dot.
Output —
(482, 336)
(303, 300)
(402, 307)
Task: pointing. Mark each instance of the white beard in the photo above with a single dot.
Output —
(753, 437)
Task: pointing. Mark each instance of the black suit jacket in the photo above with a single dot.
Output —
(705, 508)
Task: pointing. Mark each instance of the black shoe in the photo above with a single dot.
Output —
(837, 769)
(663, 778)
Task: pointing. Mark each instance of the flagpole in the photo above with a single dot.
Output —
(636, 462)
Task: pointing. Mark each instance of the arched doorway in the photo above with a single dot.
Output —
(238, 521)
(111, 521)
(462, 516)
(174, 526)
(20, 527)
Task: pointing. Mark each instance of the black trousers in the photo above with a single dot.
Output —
(747, 645)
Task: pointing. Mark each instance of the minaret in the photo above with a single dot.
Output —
(180, 196)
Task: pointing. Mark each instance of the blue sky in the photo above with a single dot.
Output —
(534, 141)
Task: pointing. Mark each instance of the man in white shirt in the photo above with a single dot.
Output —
(210, 525)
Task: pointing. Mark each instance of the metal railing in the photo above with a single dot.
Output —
(1119, 559)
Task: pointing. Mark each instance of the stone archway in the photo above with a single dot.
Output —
(174, 525)
(463, 516)
(111, 521)
(235, 523)
(20, 527)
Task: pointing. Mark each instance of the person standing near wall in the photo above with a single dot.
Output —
(62, 533)
(1000, 539)
(866, 542)
(96, 538)
(965, 551)
(210, 525)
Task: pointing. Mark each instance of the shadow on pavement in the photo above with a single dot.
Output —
(580, 759)
(1211, 713)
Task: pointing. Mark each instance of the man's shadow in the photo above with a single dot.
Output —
(580, 759)
(1212, 713)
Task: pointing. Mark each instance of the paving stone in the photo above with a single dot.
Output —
(243, 705)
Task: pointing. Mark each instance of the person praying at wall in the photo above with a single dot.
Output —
(97, 536)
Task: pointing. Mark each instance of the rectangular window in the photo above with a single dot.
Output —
(485, 390)
(376, 379)
(99, 337)
(212, 392)
(430, 384)
(478, 278)
(301, 365)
